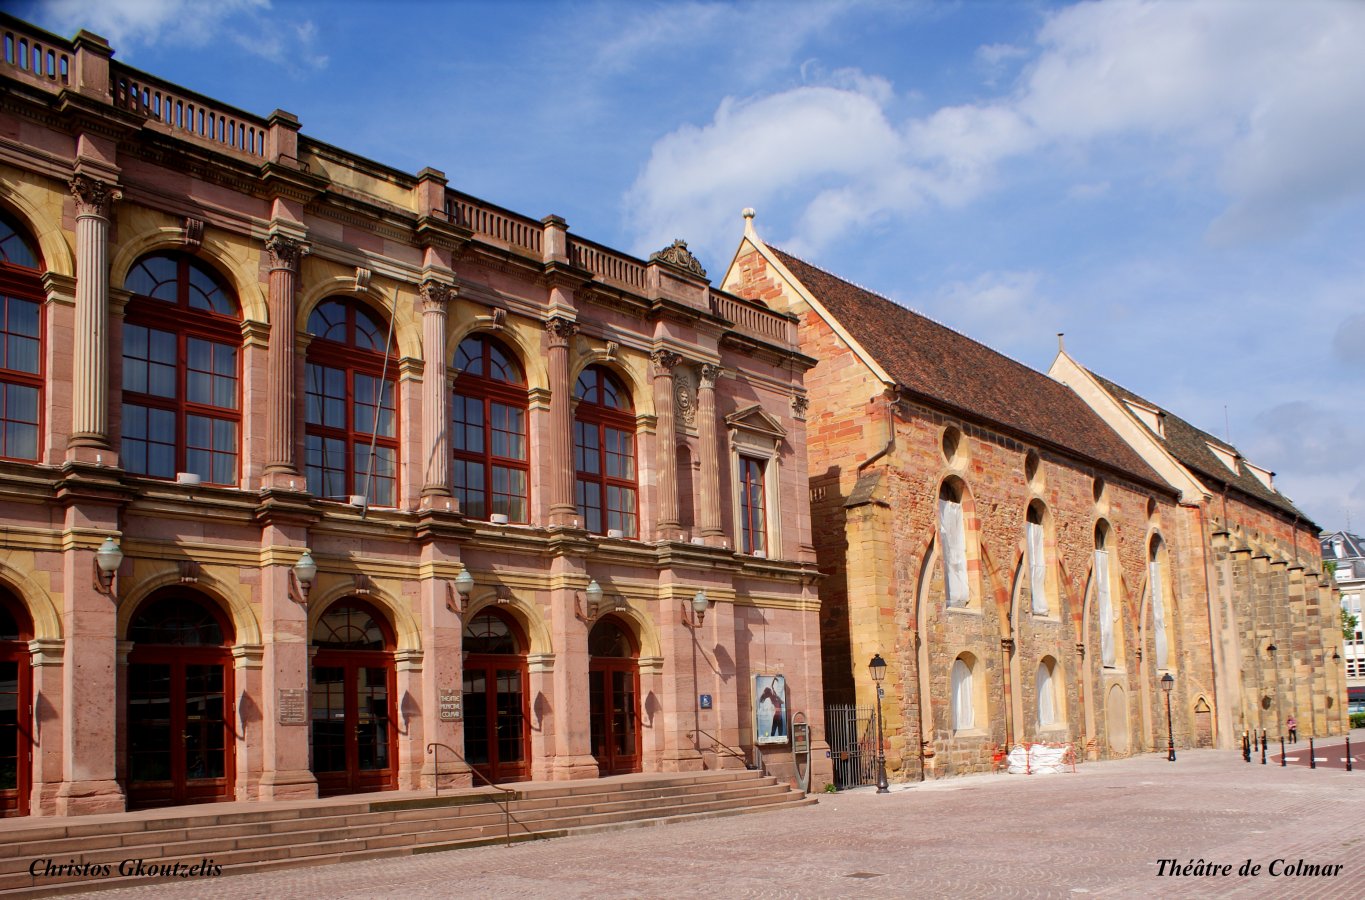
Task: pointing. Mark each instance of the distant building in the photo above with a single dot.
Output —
(1249, 557)
(1348, 552)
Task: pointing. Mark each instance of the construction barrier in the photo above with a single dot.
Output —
(1041, 759)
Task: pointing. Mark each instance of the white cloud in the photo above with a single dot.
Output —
(130, 24)
(1261, 99)
(1001, 309)
(1321, 445)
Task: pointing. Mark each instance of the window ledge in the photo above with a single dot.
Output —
(972, 734)
(965, 610)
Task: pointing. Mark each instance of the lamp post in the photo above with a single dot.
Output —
(1167, 682)
(877, 668)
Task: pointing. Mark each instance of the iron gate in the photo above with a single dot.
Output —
(852, 735)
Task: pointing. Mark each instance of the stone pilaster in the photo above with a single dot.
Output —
(435, 405)
(708, 426)
(666, 523)
(562, 508)
(90, 365)
(285, 253)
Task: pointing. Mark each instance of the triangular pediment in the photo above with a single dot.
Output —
(754, 419)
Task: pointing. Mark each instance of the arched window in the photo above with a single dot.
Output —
(1103, 600)
(1037, 559)
(604, 454)
(963, 695)
(348, 626)
(1045, 684)
(488, 432)
(1158, 601)
(346, 410)
(952, 534)
(182, 332)
(21, 344)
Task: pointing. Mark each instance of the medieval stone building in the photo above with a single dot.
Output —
(1027, 570)
(1253, 559)
(308, 464)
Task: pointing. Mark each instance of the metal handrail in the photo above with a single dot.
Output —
(717, 745)
(436, 778)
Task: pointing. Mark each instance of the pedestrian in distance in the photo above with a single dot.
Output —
(1293, 727)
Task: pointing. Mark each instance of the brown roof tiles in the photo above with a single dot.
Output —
(949, 369)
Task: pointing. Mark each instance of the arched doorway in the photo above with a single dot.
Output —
(179, 721)
(1116, 721)
(354, 743)
(614, 697)
(16, 707)
(496, 741)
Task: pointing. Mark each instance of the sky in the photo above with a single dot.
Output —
(1177, 186)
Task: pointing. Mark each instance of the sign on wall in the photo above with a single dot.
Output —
(450, 706)
(293, 706)
(770, 709)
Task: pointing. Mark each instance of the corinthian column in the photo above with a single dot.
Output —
(562, 507)
(709, 439)
(280, 428)
(666, 527)
(90, 366)
(435, 408)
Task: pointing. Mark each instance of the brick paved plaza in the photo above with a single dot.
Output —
(1101, 831)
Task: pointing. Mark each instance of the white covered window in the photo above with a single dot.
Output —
(964, 713)
(1104, 604)
(1158, 607)
(1047, 695)
(953, 536)
(1037, 560)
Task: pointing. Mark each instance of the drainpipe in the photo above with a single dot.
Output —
(890, 396)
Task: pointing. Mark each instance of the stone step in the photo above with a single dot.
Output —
(329, 831)
(212, 836)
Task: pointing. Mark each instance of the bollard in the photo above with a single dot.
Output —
(1348, 753)
(1262, 749)
(1262, 738)
(1246, 747)
(1312, 757)
(1282, 760)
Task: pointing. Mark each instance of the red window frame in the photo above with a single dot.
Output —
(22, 283)
(352, 357)
(604, 424)
(753, 504)
(476, 384)
(186, 323)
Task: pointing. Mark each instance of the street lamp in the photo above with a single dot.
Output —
(1167, 682)
(877, 668)
(301, 577)
(107, 560)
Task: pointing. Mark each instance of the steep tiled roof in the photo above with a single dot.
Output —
(1190, 445)
(954, 371)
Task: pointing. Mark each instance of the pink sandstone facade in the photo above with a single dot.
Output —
(911, 425)
(387, 467)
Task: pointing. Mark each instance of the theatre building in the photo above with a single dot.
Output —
(320, 477)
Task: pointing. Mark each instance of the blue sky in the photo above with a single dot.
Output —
(1177, 186)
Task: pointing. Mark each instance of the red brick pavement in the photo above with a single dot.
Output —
(1101, 831)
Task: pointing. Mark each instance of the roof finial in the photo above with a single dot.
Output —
(748, 221)
(1061, 344)
(748, 212)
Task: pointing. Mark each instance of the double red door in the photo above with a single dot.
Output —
(614, 714)
(179, 722)
(496, 740)
(354, 741)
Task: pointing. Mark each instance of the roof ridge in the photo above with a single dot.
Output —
(909, 309)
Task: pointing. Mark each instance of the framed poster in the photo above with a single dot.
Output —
(770, 709)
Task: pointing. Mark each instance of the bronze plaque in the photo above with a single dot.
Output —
(293, 706)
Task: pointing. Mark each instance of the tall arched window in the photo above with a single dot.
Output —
(182, 333)
(1103, 600)
(1158, 600)
(1046, 688)
(1037, 558)
(604, 454)
(346, 410)
(488, 431)
(952, 534)
(21, 344)
(963, 695)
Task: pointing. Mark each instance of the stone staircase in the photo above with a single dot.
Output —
(258, 837)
